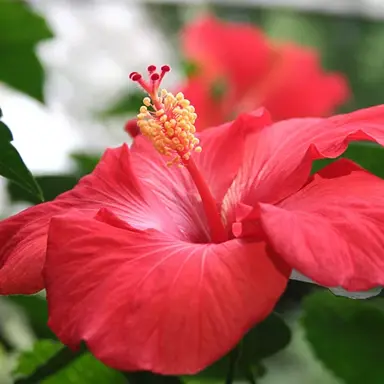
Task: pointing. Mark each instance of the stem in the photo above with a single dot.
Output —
(217, 229)
(249, 376)
(57, 362)
(5, 343)
(233, 358)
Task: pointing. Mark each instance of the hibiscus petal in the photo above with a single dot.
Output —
(278, 159)
(23, 236)
(218, 163)
(296, 70)
(332, 229)
(210, 111)
(145, 301)
(203, 44)
(339, 291)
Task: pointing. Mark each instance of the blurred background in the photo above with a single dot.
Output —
(66, 96)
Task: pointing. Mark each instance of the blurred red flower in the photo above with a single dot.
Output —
(237, 69)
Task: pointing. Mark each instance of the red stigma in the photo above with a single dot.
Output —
(165, 68)
(134, 76)
(151, 69)
(152, 86)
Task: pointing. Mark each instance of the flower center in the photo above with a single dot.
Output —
(168, 122)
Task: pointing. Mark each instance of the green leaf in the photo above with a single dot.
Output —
(12, 165)
(36, 310)
(20, 32)
(128, 104)
(57, 365)
(150, 378)
(347, 336)
(269, 337)
(264, 340)
(85, 162)
(369, 155)
(51, 185)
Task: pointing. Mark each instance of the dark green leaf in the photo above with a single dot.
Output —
(51, 185)
(57, 365)
(128, 104)
(347, 336)
(54, 185)
(369, 155)
(12, 166)
(35, 308)
(20, 32)
(5, 134)
(150, 378)
(267, 338)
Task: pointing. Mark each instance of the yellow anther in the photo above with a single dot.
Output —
(147, 101)
(184, 103)
(169, 124)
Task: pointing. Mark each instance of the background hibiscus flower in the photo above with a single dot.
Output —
(237, 68)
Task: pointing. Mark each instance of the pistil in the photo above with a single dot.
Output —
(168, 121)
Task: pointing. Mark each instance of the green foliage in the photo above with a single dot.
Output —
(264, 340)
(128, 104)
(81, 369)
(53, 185)
(347, 336)
(36, 310)
(85, 162)
(369, 155)
(51, 363)
(150, 378)
(12, 166)
(20, 31)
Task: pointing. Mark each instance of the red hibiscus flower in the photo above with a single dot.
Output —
(165, 268)
(238, 69)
